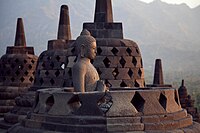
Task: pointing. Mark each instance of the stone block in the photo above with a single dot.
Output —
(123, 120)
(61, 109)
(89, 101)
(71, 61)
(115, 83)
(123, 74)
(122, 105)
(172, 105)
(98, 61)
(107, 73)
(88, 26)
(151, 104)
(101, 42)
(125, 127)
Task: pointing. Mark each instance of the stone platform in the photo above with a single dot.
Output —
(127, 110)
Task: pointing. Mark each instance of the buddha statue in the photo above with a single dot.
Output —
(84, 75)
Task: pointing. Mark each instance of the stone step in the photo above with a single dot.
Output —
(97, 128)
(169, 125)
(9, 102)
(121, 120)
(4, 125)
(5, 109)
(125, 127)
(165, 117)
(81, 120)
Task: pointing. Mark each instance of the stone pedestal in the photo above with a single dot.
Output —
(133, 110)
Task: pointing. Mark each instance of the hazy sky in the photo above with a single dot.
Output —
(190, 3)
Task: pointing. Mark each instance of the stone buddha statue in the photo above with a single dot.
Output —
(84, 75)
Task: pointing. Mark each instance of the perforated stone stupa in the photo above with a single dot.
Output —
(17, 69)
(53, 62)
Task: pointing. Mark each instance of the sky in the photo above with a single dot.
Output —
(190, 3)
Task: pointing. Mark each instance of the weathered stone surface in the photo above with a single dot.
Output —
(89, 102)
(122, 105)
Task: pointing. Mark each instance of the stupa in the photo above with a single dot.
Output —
(49, 72)
(128, 106)
(17, 69)
(187, 102)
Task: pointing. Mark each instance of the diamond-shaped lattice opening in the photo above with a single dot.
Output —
(137, 50)
(115, 73)
(73, 50)
(70, 72)
(134, 61)
(8, 72)
(49, 58)
(17, 73)
(122, 61)
(16, 60)
(41, 81)
(62, 66)
(12, 79)
(47, 73)
(58, 58)
(123, 84)
(99, 71)
(26, 73)
(129, 51)
(33, 72)
(31, 79)
(49, 103)
(12, 66)
(176, 97)
(75, 59)
(52, 64)
(138, 102)
(140, 72)
(25, 61)
(22, 79)
(106, 62)
(4, 79)
(92, 61)
(52, 82)
(137, 84)
(30, 66)
(105, 103)
(32, 61)
(141, 62)
(114, 51)
(108, 84)
(57, 73)
(99, 51)
(43, 64)
(130, 73)
(163, 101)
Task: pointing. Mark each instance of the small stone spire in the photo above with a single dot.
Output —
(64, 31)
(20, 35)
(182, 84)
(103, 11)
(158, 73)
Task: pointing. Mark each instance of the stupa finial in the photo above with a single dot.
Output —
(20, 35)
(158, 73)
(64, 31)
(103, 11)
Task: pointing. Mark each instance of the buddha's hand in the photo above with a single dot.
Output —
(100, 86)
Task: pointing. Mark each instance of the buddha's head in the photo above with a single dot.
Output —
(86, 45)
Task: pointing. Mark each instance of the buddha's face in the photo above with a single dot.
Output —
(91, 51)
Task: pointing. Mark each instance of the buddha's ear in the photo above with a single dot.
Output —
(82, 52)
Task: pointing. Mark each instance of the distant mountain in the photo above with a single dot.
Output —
(169, 32)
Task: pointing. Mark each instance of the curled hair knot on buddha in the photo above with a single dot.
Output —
(85, 39)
